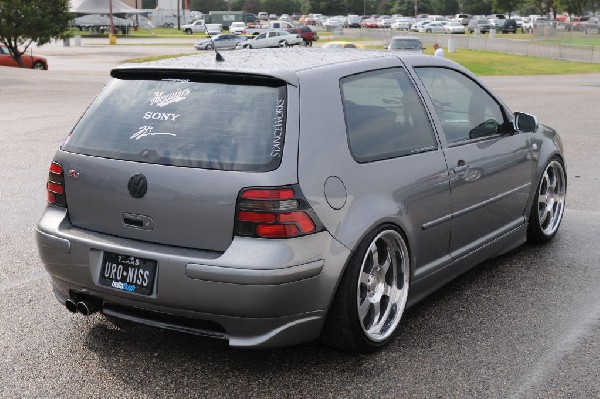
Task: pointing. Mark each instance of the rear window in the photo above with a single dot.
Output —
(184, 123)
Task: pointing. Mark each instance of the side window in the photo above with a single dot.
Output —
(262, 36)
(384, 116)
(466, 110)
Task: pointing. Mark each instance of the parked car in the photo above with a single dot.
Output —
(418, 25)
(402, 24)
(306, 33)
(482, 24)
(221, 41)
(432, 27)
(369, 23)
(384, 22)
(462, 18)
(195, 27)
(274, 38)
(454, 27)
(353, 21)
(592, 26)
(214, 29)
(237, 28)
(342, 44)
(406, 44)
(507, 25)
(30, 61)
(242, 220)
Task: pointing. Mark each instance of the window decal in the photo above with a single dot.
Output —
(161, 99)
(147, 131)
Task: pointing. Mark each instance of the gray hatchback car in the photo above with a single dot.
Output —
(285, 195)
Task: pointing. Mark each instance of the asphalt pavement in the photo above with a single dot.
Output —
(524, 325)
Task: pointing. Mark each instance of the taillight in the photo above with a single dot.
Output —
(280, 212)
(56, 185)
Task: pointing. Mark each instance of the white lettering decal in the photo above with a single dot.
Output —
(161, 116)
(161, 99)
(147, 131)
(107, 270)
(278, 129)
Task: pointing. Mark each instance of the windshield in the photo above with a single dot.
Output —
(183, 123)
(405, 44)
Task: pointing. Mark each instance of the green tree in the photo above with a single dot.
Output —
(23, 22)
(205, 6)
(477, 7)
(252, 6)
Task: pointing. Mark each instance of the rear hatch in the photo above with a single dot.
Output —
(163, 160)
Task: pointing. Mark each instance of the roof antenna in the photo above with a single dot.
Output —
(218, 57)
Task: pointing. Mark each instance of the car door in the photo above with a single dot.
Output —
(490, 164)
(397, 161)
(6, 59)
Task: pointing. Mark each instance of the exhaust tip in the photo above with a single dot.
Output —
(71, 305)
(86, 308)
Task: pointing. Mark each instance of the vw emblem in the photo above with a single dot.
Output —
(138, 185)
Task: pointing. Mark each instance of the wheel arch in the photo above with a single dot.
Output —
(366, 234)
(548, 148)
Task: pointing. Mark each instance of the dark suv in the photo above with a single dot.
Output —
(509, 26)
(305, 33)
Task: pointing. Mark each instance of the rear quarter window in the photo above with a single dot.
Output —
(385, 117)
(184, 123)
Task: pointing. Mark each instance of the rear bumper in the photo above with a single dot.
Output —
(263, 293)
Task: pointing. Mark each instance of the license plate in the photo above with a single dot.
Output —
(128, 273)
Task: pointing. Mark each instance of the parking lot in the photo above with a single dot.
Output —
(524, 325)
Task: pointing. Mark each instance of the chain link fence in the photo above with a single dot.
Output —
(540, 45)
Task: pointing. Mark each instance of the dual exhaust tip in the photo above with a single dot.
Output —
(85, 306)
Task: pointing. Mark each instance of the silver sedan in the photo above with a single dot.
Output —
(221, 41)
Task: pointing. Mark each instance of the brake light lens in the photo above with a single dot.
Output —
(56, 185)
(280, 212)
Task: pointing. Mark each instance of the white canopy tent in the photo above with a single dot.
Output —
(119, 9)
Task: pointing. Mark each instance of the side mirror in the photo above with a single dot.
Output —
(525, 123)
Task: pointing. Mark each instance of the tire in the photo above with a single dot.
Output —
(247, 46)
(188, 31)
(38, 65)
(372, 294)
(549, 203)
(283, 44)
(209, 47)
(428, 31)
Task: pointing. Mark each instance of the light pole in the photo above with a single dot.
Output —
(178, 15)
(112, 25)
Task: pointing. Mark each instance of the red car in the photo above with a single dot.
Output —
(33, 62)
(305, 33)
(369, 23)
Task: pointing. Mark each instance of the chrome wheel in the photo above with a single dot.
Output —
(551, 198)
(382, 287)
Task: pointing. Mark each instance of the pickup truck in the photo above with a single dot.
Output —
(200, 27)
(273, 38)
(267, 27)
(194, 27)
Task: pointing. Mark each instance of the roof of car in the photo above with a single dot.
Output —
(280, 63)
